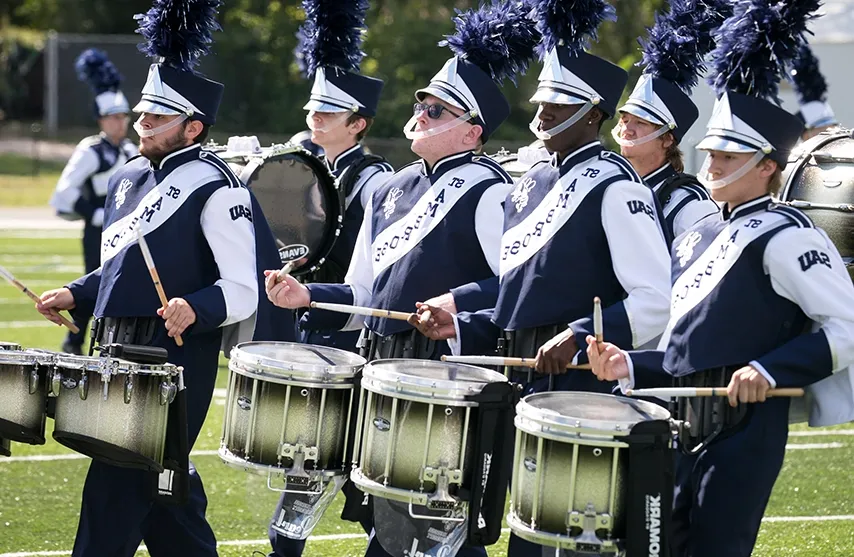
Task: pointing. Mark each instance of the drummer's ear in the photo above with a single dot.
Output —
(474, 135)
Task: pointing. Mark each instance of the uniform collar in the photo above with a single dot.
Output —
(345, 159)
(747, 208)
(583, 153)
(176, 158)
(446, 163)
(657, 177)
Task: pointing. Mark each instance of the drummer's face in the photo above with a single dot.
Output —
(156, 148)
(329, 128)
(455, 140)
(750, 186)
(633, 128)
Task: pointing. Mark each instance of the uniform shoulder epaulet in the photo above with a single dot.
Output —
(222, 166)
(407, 167)
(795, 215)
(621, 163)
(90, 141)
(133, 158)
(490, 163)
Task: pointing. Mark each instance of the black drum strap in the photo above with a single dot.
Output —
(493, 461)
(649, 489)
(671, 183)
(351, 176)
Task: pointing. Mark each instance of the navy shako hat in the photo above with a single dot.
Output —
(570, 75)
(815, 111)
(673, 55)
(491, 44)
(95, 69)
(754, 47)
(178, 34)
(329, 52)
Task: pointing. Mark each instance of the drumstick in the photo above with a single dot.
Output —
(285, 270)
(502, 361)
(17, 284)
(360, 310)
(597, 319)
(152, 270)
(689, 392)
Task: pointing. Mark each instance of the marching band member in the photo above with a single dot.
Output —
(436, 223)
(210, 242)
(815, 112)
(768, 265)
(82, 187)
(341, 109)
(660, 111)
(579, 226)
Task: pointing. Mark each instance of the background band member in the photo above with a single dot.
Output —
(210, 242)
(815, 112)
(760, 298)
(82, 187)
(659, 111)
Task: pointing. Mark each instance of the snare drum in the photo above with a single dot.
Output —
(113, 410)
(23, 393)
(416, 430)
(570, 468)
(299, 197)
(287, 411)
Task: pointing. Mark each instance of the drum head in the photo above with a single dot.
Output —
(426, 378)
(590, 410)
(299, 198)
(282, 360)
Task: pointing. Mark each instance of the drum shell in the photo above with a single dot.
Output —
(99, 425)
(270, 405)
(410, 438)
(22, 413)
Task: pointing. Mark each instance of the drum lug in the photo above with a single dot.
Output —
(55, 382)
(34, 380)
(429, 474)
(83, 386)
(128, 388)
(167, 393)
(589, 522)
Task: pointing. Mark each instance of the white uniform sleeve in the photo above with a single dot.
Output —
(360, 274)
(692, 213)
(227, 226)
(640, 257)
(82, 164)
(805, 268)
(374, 180)
(489, 222)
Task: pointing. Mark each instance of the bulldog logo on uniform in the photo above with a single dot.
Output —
(121, 193)
(520, 194)
(685, 250)
(390, 200)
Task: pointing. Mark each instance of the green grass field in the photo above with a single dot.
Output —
(39, 500)
(25, 183)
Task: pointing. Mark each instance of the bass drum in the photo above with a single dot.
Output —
(819, 179)
(518, 163)
(299, 197)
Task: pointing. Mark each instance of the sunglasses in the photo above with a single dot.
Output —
(434, 111)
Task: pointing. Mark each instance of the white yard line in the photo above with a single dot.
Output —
(26, 324)
(821, 432)
(813, 446)
(75, 456)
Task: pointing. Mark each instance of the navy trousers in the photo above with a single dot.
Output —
(118, 511)
(91, 261)
(721, 493)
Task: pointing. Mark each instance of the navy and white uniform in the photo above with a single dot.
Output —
(210, 243)
(425, 231)
(686, 204)
(356, 199)
(81, 193)
(573, 230)
(759, 286)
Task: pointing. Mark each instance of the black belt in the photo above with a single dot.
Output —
(525, 343)
(123, 330)
(705, 419)
(406, 344)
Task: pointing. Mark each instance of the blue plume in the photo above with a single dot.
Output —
(572, 23)
(93, 67)
(178, 31)
(757, 43)
(500, 38)
(806, 74)
(331, 35)
(679, 41)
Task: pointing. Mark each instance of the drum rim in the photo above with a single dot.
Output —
(330, 373)
(115, 366)
(8, 357)
(420, 388)
(230, 459)
(560, 423)
(328, 183)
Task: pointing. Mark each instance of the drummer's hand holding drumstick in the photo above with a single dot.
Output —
(53, 301)
(557, 353)
(285, 291)
(607, 361)
(747, 385)
(434, 319)
(179, 315)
